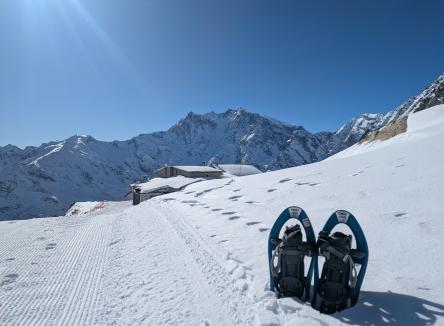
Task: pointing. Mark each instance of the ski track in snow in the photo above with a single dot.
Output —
(55, 284)
(100, 269)
(195, 285)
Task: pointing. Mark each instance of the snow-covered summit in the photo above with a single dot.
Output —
(352, 131)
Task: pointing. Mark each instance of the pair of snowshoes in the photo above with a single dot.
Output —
(338, 286)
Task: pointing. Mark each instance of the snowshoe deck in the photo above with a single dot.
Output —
(286, 255)
(339, 286)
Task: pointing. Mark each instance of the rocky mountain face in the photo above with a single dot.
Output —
(353, 131)
(46, 180)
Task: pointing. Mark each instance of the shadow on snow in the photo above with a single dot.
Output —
(388, 308)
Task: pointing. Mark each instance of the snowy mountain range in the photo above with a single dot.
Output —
(46, 180)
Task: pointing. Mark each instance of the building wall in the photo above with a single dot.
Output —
(165, 172)
(171, 171)
(198, 174)
(140, 197)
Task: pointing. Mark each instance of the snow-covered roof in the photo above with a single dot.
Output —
(196, 168)
(174, 182)
(239, 169)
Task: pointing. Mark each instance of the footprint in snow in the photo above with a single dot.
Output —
(222, 241)
(423, 288)
(424, 224)
(237, 190)
(285, 180)
(8, 279)
(235, 217)
(203, 192)
(400, 214)
(252, 223)
(113, 243)
(228, 213)
(189, 201)
(10, 259)
(271, 190)
(263, 229)
(234, 198)
(50, 246)
(216, 209)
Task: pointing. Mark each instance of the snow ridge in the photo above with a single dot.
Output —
(354, 130)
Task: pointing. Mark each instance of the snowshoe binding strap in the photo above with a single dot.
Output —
(338, 277)
(287, 264)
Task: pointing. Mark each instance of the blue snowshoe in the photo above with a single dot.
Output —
(339, 285)
(286, 255)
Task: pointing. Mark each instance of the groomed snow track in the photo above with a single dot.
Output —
(100, 269)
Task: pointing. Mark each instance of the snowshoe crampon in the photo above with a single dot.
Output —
(339, 284)
(286, 255)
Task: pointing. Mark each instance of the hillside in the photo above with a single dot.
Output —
(198, 257)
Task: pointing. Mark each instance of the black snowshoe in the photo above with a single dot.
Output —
(336, 288)
(288, 273)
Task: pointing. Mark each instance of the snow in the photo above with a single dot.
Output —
(192, 168)
(53, 149)
(239, 169)
(425, 120)
(199, 256)
(177, 182)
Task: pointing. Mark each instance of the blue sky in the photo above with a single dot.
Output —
(115, 69)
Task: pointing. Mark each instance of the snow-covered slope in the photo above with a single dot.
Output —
(198, 257)
(46, 180)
